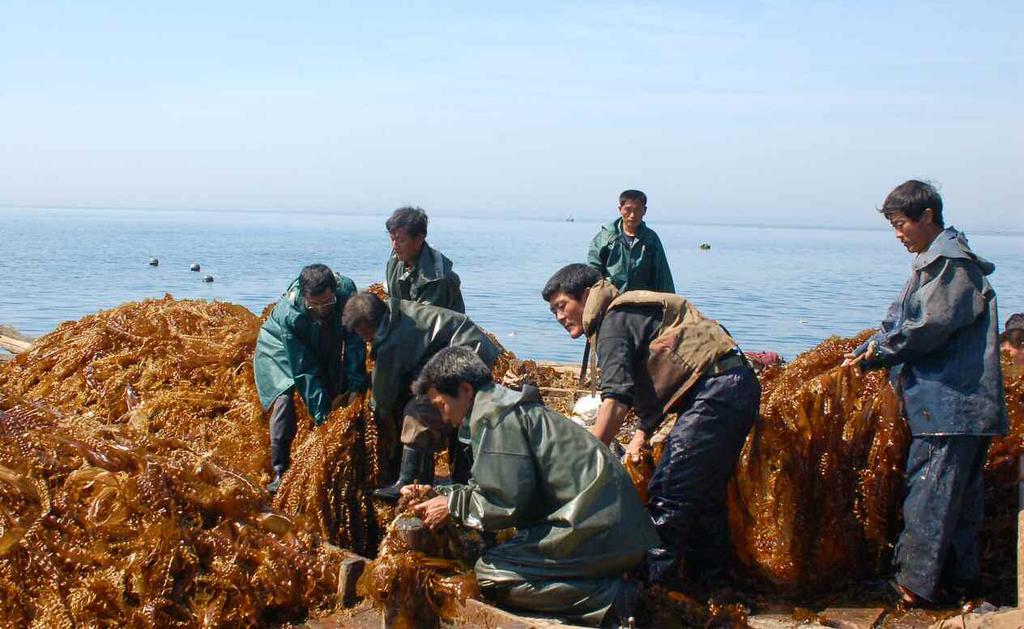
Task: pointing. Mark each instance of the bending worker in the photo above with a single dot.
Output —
(693, 392)
(302, 346)
(404, 335)
(579, 523)
(416, 271)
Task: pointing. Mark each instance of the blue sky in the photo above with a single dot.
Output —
(752, 112)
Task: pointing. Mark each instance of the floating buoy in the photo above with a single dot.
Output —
(194, 267)
(154, 262)
(208, 279)
(704, 246)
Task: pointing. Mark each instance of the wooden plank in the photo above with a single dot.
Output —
(852, 617)
(13, 345)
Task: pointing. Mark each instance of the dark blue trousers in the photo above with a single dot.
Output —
(689, 487)
(942, 513)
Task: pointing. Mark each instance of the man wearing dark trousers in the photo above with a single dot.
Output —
(696, 397)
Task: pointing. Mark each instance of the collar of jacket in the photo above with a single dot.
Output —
(951, 243)
(429, 264)
(392, 314)
(494, 400)
(615, 230)
(601, 296)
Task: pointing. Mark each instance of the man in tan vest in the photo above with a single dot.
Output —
(695, 394)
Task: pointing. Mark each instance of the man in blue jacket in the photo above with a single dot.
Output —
(303, 347)
(939, 342)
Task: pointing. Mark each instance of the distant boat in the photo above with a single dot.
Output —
(570, 219)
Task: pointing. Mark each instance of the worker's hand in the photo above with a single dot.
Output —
(851, 359)
(433, 512)
(636, 445)
(408, 490)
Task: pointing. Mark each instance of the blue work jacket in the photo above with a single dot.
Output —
(939, 341)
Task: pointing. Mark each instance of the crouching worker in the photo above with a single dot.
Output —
(580, 525)
(939, 343)
(694, 393)
(403, 336)
(302, 346)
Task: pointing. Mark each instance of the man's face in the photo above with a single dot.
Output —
(365, 331)
(568, 312)
(407, 248)
(322, 304)
(914, 235)
(632, 213)
(453, 408)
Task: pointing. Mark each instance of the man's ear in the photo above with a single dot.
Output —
(586, 294)
(466, 388)
(928, 216)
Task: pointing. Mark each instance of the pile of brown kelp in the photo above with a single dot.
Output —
(816, 498)
(421, 576)
(132, 453)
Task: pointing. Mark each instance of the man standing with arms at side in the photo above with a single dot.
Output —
(628, 253)
(939, 342)
(416, 271)
(302, 346)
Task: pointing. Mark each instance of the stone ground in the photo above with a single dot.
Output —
(481, 615)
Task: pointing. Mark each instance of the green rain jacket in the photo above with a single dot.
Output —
(580, 523)
(409, 336)
(431, 281)
(640, 267)
(288, 353)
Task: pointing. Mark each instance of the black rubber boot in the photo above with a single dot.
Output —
(463, 463)
(276, 483)
(426, 475)
(411, 470)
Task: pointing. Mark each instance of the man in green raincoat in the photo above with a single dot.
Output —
(303, 347)
(580, 526)
(628, 253)
(416, 271)
(404, 335)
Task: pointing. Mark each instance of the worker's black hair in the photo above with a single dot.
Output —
(572, 279)
(364, 307)
(316, 278)
(450, 367)
(911, 198)
(412, 219)
(633, 195)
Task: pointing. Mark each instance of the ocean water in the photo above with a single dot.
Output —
(779, 289)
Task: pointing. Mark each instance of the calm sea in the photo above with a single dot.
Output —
(780, 289)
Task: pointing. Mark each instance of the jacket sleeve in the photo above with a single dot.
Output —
(355, 363)
(455, 293)
(444, 293)
(662, 273)
(503, 486)
(307, 377)
(597, 255)
(949, 299)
